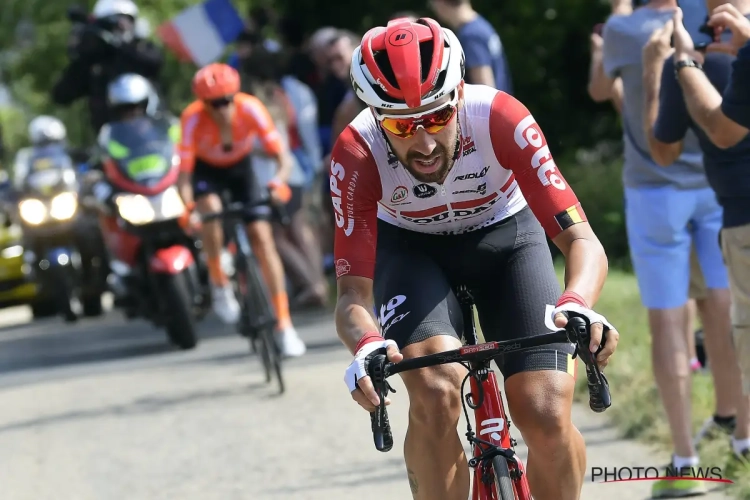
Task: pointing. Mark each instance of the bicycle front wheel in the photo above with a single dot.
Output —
(503, 482)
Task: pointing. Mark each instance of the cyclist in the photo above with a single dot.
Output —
(218, 132)
(442, 184)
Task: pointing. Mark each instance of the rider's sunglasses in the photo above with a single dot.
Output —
(432, 121)
(221, 102)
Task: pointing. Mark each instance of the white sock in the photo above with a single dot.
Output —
(740, 445)
(680, 462)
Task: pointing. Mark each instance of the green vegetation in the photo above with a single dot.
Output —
(636, 407)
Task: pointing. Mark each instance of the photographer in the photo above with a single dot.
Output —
(102, 47)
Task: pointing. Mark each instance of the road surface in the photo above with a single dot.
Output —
(105, 410)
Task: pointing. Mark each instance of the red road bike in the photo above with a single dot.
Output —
(498, 473)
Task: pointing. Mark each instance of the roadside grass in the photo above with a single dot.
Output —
(636, 407)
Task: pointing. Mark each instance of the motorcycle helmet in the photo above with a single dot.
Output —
(130, 91)
(108, 8)
(45, 130)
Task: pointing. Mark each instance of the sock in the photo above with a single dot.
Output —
(740, 445)
(680, 462)
(281, 307)
(215, 272)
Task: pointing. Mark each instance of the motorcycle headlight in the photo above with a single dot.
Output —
(63, 206)
(171, 204)
(11, 252)
(32, 211)
(138, 209)
(135, 208)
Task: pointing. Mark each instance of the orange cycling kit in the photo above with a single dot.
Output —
(219, 168)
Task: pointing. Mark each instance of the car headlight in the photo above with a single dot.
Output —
(63, 206)
(135, 208)
(32, 211)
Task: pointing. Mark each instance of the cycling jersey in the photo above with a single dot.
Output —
(201, 138)
(502, 164)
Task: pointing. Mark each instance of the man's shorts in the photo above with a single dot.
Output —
(237, 181)
(735, 243)
(508, 269)
(662, 222)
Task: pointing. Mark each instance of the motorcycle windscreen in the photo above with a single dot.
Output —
(142, 149)
(49, 182)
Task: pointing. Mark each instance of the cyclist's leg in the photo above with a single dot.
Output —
(206, 185)
(416, 308)
(246, 188)
(539, 383)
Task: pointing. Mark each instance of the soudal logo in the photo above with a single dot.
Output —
(454, 214)
(468, 146)
(473, 175)
(399, 194)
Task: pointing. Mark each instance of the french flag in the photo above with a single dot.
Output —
(202, 32)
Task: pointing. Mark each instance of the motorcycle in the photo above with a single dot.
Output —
(156, 271)
(61, 250)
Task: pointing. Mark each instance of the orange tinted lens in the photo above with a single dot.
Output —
(432, 123)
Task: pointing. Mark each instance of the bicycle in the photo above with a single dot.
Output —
(498, 474)
(257, 317)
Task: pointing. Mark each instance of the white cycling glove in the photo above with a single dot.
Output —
(357, 369)
(593, 317)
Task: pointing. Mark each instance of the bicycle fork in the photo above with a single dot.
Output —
(493, 426)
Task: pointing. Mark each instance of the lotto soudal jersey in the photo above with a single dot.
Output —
(503, 164)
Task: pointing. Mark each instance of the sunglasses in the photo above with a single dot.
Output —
(432, 121)
(221, 102)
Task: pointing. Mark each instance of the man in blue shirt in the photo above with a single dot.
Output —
(686, 91)
(485, 57)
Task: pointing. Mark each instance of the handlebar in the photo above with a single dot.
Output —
(577, 331)
(239, 210)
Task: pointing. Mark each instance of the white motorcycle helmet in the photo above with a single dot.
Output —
(132, 89)
(46, 129)
(108, 8)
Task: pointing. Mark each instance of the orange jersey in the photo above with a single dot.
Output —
(201, 138)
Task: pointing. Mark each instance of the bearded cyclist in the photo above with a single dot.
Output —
(218, 133)
(437, 184)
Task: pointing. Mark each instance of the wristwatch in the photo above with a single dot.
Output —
(686, 63)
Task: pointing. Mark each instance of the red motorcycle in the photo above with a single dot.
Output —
(156, 269)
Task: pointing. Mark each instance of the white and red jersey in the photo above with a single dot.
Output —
(503, 164)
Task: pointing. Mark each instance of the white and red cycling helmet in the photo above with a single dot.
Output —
(407, 64)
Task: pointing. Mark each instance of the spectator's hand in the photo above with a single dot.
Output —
(657, 49)
(684, 48)
(597, 43)
(726, 16)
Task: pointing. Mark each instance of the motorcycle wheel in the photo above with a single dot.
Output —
(179, 304)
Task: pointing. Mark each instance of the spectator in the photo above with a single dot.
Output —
(338, 55)
(602, 89)
(685, 92)
(300, 65)
(103, 50)
(292, 107)
(485, 57)
(660, 203)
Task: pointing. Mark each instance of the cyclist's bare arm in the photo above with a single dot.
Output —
(520, 145)
(354, 310)
(273, 145)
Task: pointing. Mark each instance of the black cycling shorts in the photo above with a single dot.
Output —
(238, 181)
(508, 269)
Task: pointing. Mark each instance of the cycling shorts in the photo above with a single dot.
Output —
(508, 269)
(238, 181)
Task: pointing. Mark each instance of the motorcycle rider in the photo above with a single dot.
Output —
(47, 134)
(106, 47)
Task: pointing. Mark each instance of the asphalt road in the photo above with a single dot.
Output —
(106, 410)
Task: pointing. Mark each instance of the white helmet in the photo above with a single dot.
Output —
(387, 68)
(45, 129)
(107, 8)
(132, 88)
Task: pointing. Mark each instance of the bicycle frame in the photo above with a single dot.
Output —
(490, 419)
